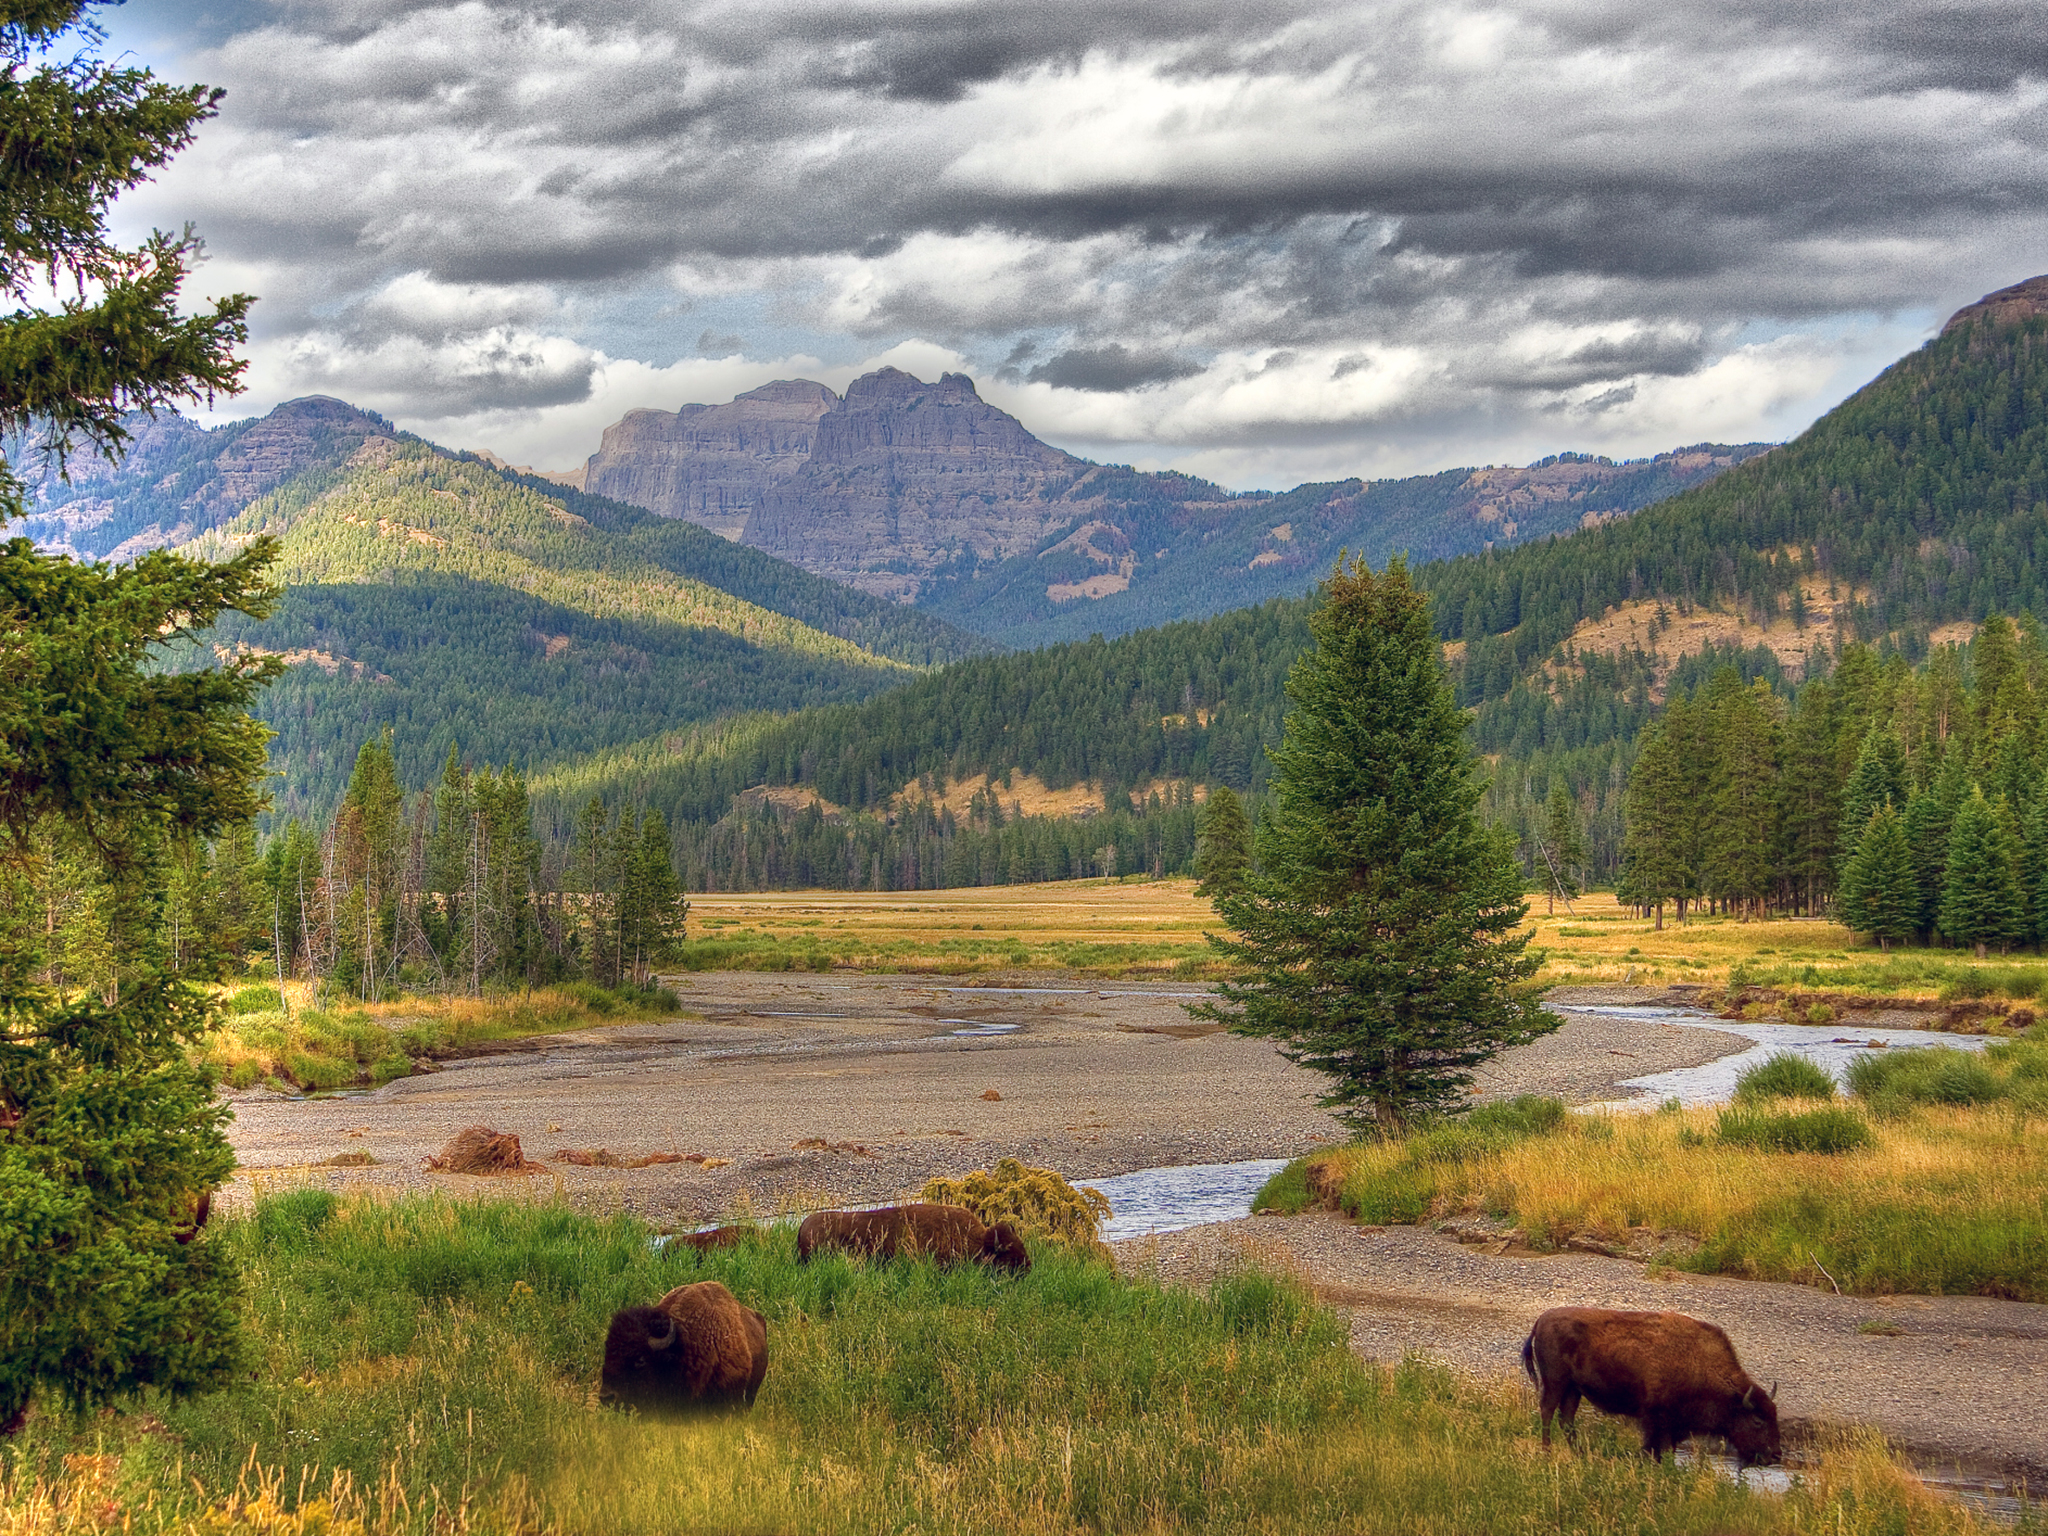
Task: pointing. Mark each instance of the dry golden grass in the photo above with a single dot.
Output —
(1948, 1200)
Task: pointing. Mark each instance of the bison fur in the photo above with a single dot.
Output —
(947, 1234)
(696, 1350)
(1674, 1375)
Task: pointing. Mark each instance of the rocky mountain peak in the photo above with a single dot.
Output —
(2022, 301)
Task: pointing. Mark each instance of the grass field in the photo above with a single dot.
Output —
(1142, 927)
(1936, 1183)
(427, 1366)
(1107, 928)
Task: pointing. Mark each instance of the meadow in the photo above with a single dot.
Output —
(1932, 1179)
(427, 1365)
(1138, 927)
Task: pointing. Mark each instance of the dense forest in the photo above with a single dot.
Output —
(1908, 800)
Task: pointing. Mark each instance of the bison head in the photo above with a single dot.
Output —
(1753, 1428)
(1003, 1248)
(643, 1362)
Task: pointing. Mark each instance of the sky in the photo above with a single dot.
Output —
(1257, 240)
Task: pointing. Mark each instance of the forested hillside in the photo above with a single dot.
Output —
(453, 604)
(1920, 500)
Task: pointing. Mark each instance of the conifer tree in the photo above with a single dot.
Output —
(1744, 801)
(1879, 778)
(108, 1133)
(1562, 848)
(1880, 888)
(1981, 900)
(1377, 937)
(653, 909)
(1929, 816)
(1223, 844)
(1810, 797)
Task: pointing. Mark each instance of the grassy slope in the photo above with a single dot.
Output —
(428, 1366)
(413, 512)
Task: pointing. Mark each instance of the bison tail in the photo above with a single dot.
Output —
(1529, 1359)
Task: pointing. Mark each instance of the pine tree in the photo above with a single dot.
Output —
(1810, 797)
(2034, 868)
(111, 1133)
(1562, 849)
(1880, 888)
(1744, 800)
(1981, 900)
(1376, 939)
(1929, 816)
(1655, 847)
(653, 910)
(1223, 845)
(1879, 778)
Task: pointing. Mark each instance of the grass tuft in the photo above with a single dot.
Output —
(1786, 1075)
(1827, 1131)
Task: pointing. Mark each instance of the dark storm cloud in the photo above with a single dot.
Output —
(1555, 201)
(1111, 370)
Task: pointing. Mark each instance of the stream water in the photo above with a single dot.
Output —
(1830, 1046)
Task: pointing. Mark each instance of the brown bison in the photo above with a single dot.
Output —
(712, 1237)
(945, 1233)
(1674, 1375)
(697, 1349)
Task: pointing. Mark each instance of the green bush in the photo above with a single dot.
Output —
(1815, 1130)
(1529, 1115)
(1936, 1075)
(1786, 1075)
(255, 1000)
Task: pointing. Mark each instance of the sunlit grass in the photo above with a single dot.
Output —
(1943, 1200)
(305, 1040)
(428, 1366)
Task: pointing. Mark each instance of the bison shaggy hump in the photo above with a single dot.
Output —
(697, 1349)
(944, 1233)
(1674, 1375)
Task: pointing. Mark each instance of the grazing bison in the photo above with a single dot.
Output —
(946, 1233)
(695, 1349)
(1674, 1375)
(714, 1237)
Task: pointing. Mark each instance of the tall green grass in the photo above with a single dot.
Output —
(427, 1366)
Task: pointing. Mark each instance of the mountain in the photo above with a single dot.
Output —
(1164, 547)
(926, 493)
(1897, 520)
(179, 479)
(460, 605)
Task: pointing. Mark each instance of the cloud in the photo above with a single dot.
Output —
(1468, 226)
(1111, 369)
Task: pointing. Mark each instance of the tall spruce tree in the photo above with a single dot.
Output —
(1880, 888)
(1879, 778)
(1981, 900)
(108, 1134)
(1377, 938)
(1223, 844)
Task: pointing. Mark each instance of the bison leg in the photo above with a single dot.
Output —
(1564, 1403)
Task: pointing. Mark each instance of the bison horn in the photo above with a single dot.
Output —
(1747, 1393)
(665, 1337)
(1773, 1393)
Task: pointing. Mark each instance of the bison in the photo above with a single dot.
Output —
(1674, 1375)
(945, 1233)
(712, 1237)
(697, 1349)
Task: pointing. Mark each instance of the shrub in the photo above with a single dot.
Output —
(1820, 1013)
(1815, 1130)
(1786, 1075)
(1036, 1200)
(1937, 1075)
(255, 1000)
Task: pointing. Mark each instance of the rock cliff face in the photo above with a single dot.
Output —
(905, 477)
(2022, 301)
(710, 464)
